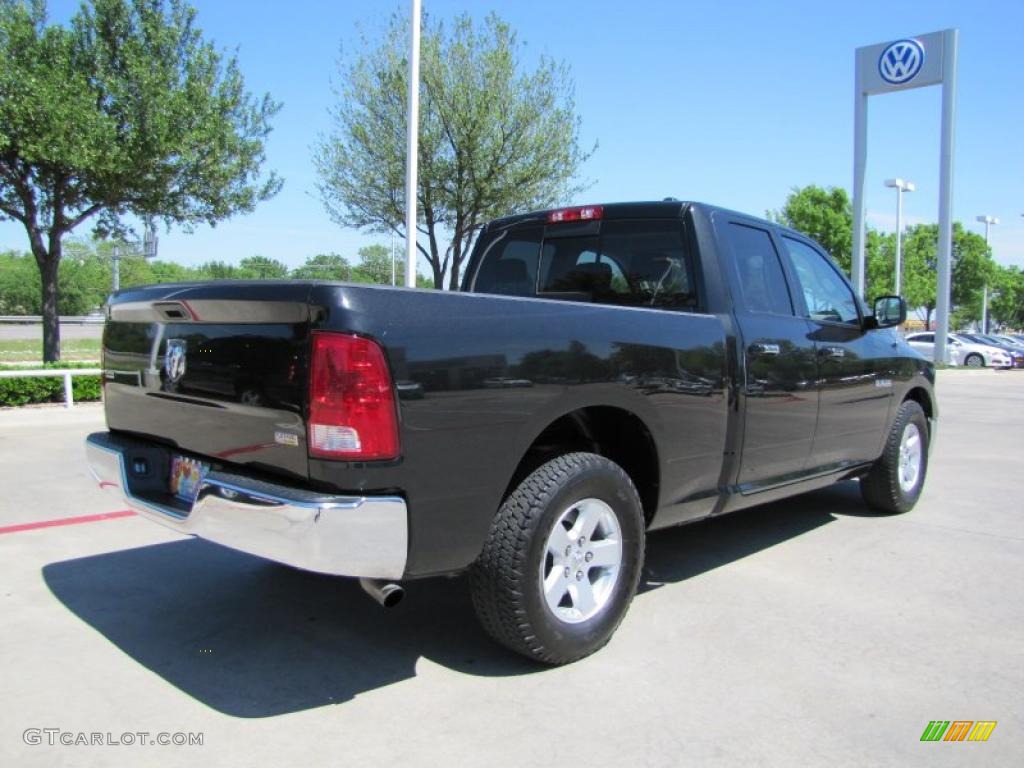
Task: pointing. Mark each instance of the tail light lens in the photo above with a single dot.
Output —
(581, 213)
(352, 411)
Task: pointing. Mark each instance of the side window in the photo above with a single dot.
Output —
(759, 271)
(925, 338)
(826, 294)
(509, 265)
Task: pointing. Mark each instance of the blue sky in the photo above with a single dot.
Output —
(728, 103)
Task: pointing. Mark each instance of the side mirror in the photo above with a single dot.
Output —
(890, 311)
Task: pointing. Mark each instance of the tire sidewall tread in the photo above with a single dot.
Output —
(881, 486)
(505, 582)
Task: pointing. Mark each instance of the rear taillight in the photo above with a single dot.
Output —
(351, 400)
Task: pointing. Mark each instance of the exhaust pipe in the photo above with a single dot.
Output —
(384, 592)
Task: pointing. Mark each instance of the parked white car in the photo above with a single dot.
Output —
(961, 351)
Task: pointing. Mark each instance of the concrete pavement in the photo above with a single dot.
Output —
(807, 632)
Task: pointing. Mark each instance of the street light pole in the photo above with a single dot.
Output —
(149, 248)
(901, 186)
(987, 221)
(412, 146)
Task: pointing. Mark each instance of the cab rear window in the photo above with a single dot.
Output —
(639, 263)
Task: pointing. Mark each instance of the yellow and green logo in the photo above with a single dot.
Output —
(958, 730)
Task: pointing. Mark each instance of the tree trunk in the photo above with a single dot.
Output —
(48, 262)
(435, 254)
(453, 282)
(51, 319)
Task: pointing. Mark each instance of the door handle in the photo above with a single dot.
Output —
(761, 348)
(832, 352)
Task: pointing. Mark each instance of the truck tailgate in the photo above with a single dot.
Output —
(210, 373)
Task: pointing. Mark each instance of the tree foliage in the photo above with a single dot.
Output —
(324, 266)
(126, 112)
(972, 267)
(86, 273)
(1007, 304)
(825, 214)
(375, 265)
(263, 268)
(494, 138)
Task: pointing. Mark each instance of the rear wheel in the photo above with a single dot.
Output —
(562, 561)
(974, 360)
(895, 481)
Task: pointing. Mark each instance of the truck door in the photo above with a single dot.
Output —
(852, 362)
(780, 398)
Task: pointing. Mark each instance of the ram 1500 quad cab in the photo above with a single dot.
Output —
(604, 372)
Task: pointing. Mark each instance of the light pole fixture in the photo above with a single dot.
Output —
(150, 243)
(901, 186)
(988, 221)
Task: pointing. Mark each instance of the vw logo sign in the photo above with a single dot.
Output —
(174, 360)
(901, 61)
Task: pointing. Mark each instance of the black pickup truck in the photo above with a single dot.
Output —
(605, 371)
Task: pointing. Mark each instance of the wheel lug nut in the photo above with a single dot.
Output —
(579, 575)
(568, 570)
(589, 556)
(582, 541)
(568, 550)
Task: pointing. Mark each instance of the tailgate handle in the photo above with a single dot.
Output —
(175, 311)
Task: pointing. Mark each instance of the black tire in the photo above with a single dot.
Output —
(881, 487)
(974, 360)
(505, 581)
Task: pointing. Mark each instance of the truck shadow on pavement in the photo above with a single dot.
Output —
(253, 639)
(680, 553)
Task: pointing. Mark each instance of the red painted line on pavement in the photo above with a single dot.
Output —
(66, 521)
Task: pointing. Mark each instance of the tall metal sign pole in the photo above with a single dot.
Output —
(412, 146)
(900, 65)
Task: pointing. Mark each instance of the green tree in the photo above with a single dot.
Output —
(170, 272)
(826, 216)
(263, 268)
(823, 214)
(493, 137)
(19, 284)
(972, 267)
(127, 111)
(1007, 304)
(324, 266)
(375, 266)
(219, 270)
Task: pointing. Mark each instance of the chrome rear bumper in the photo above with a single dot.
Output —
(365, 536)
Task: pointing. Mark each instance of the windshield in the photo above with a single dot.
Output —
(994, 341)
(971, 338)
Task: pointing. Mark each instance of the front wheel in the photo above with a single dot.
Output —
(895, 481)
(974, 360)
(562, 561)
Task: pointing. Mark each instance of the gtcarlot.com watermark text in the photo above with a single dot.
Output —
(56, 737)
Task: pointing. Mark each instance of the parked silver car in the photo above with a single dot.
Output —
(961, 351)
